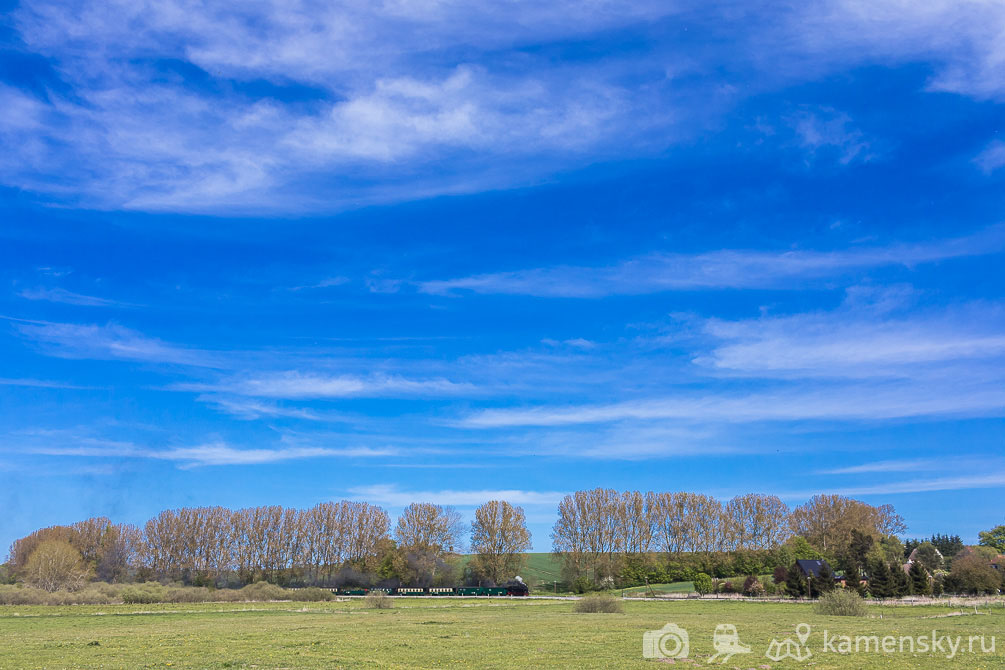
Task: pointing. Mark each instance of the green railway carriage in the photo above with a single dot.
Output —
(515, 589)
(481, 590)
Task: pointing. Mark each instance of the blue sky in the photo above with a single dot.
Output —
(285, 252)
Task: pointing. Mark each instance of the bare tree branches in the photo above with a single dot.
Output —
(499, 536)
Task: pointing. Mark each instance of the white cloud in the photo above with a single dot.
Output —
(827, 130)
(394, 497)
(963, 38)
(382, 108)
(110, 342)
(905, 465)
(397, 100)
(43, 383)
(857, 341)
(245, 408)
(212, 453)
(714, 269)
(992, 158)
(68, 297)
(860, 402)
(223, 454)
(986, 480)
(294, 384)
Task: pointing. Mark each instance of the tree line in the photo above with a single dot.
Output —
(330, 544)
(609, 537)
(602, 537)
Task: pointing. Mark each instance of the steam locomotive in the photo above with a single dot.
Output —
(512, 588)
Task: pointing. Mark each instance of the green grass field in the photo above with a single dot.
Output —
(441, 633)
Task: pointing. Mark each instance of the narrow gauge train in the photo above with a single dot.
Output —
(512, 589)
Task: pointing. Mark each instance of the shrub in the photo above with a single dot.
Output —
(263, 591)
(752, 586)
(311, 595)
(191, 594)
(88, 596)
(598, 603)
(703, 583)
(149, 592)
(840, 602)
(17, 595)
(378, 600)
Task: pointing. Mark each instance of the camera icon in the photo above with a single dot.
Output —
(671, 641)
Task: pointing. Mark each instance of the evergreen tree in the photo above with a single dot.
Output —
(795, 583)
(920, 586)
(911, 545)
(900, 584)
(853, 580)
(938, 584)
(880, 579)
(948, 545)
(859, 548)
(825, 582)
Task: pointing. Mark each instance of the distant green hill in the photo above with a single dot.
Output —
(540, 571)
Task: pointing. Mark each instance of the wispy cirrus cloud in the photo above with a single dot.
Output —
(305, 385)
(992, 157)
(177, 120)
(246, 408)
(211, 453)
(893, 465)
(849, 402)
(44, 384)
(983, 480)
(393, 496)
(966, 60)
(873, 339)
(70, 298)
(713, 270)
(110, 342)
(322, 106)
(826, 131)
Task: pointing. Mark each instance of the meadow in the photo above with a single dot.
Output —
(462, 633)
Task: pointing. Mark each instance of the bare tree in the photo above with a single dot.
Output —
(54, 565)
(587, 534)
(827, 521)
(499, 536)
(757, 521)
(429, 526)
(427, 534)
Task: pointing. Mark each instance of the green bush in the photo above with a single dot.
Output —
(598, 603)
(841, 602)
(378, 600)
(703, 583)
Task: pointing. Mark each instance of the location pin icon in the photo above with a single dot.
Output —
(803, 633)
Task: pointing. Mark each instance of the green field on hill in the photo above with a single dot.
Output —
(540, 571)
(468, 633)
